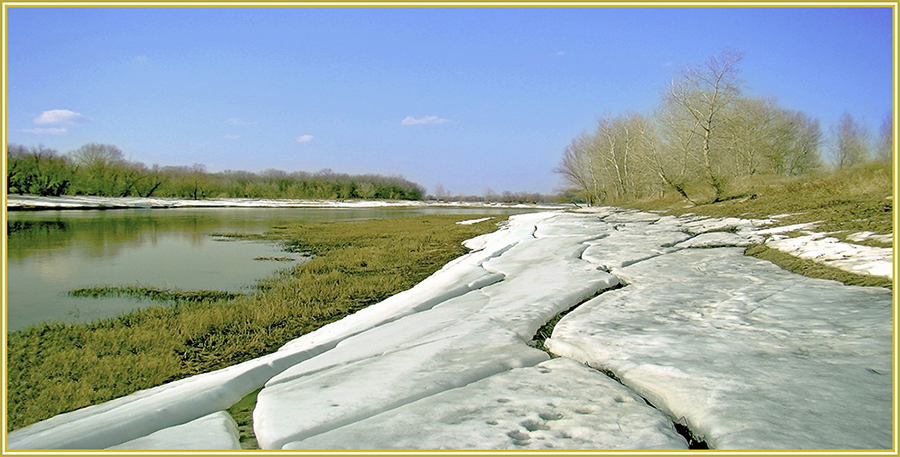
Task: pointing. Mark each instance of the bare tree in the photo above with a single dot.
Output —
(96, 155)
(580, 171)
(850, 142)
(766, 139)
(672, 152)
(885, 149)
(750, 127)
(798, 138)
(703, 92)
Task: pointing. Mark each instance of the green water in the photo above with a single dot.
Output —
(53, 252)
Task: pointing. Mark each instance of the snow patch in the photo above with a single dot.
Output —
(855, 258)
(473, 221)
(865, 236)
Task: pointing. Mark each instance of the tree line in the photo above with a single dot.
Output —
(704, 136)
(102, 170)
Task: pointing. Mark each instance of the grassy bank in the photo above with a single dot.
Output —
(841, 203)
(53, 369)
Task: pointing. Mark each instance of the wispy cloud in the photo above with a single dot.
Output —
(229, 136)
(236, 121)
(47, 131)
(59, 116)
(304, 138)
(427, 120)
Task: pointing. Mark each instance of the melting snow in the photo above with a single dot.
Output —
(746, 354)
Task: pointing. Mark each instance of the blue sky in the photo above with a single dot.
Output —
(468, 98)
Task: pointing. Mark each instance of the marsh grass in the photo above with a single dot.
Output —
(55, 368)
(154, 294)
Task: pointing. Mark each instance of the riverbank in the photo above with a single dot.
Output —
(741, 353)
(58, 368)
(33, 203)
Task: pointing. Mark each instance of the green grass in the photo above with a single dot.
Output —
(52, 369)
(242, 413)
(847, 201)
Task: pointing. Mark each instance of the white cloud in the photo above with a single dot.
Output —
(229, 136)
(236, 121)
(304, 138)
(59, 116)
(47, 131)
(427, 120)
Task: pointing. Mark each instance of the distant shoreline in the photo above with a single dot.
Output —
(38, 203)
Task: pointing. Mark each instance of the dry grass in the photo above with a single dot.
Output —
(848, 201)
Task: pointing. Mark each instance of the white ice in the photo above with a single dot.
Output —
(864, 236)
(215, 431)
(855, 258)
(89, 202)
(747, 355)
(557, 404)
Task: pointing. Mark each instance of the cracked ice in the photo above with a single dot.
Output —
(745, 354)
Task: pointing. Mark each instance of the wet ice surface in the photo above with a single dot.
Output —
(749, 356)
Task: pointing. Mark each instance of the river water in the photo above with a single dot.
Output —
(53, 252)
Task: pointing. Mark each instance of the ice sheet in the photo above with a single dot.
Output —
(557, 404)
(215, 431)
(747, 355)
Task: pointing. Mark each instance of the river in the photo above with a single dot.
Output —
(53, 252)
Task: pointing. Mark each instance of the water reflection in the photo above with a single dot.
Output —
(53, 252)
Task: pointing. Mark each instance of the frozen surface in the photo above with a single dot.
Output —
(474, 221)
(215, 431)
(747, 355)
(831, 251)
(558, 404)
(864, 236)
(460, 341)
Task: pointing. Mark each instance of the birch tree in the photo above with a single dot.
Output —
(850, 142)
(703, 93)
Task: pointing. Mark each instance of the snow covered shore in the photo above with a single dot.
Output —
(748, 356)
(32, 202)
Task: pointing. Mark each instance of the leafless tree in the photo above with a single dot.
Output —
(580, 170)
(703, 92)
(767, 139)
(886, 139)
(850, 142)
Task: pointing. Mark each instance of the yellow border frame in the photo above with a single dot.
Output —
(415, 3)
